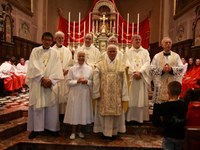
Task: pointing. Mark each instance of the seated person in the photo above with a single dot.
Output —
(12, 81)
(190, 78)
(171, 116)
(22, 70)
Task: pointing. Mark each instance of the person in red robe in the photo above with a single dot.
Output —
(12, 81)
(191, 78)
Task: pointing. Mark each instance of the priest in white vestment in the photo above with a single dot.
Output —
(113, 40)
(91, 52)
(44, 71)
(166, 66)
(111, 93)
(79, 109)
(66, 61)
(138, 63)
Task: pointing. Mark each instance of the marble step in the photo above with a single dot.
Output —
(11, 114)
(146, 128)
(90, 142)
(13, 127)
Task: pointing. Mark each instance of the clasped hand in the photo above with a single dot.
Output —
(82, 80)
(167, 68)
(46, 82)
(137, 75)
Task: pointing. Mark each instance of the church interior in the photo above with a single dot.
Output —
(22, 23)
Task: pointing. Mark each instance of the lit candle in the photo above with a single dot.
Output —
(74, 30)
(117, 23)
(69, 23)
(79, 22)
(127, 23)
(89, 21)
(138, 22)
(84, 29)
(132, 28)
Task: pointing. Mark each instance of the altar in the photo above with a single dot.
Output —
(103, 21)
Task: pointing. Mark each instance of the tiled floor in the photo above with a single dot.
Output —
(91, 140)
(137, 137)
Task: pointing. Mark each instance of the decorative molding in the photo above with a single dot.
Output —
(101, 3)
(184, 8)
(22, 5)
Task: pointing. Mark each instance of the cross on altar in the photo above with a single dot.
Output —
(104, 19)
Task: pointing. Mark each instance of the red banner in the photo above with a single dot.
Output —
(144, 29)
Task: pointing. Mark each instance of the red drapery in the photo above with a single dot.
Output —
(144, 29)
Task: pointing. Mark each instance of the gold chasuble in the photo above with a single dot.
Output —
(111, 77)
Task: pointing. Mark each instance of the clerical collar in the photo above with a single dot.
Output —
(59, 46)
(166, 54)
(45, 48)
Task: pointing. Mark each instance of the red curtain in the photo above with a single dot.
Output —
(144, 29)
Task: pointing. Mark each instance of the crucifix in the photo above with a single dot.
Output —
(103, 27)
(104, 19)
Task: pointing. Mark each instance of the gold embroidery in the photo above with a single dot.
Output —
(111, 81)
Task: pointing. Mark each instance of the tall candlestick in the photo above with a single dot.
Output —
(127, 23)
(138, 22)
(69, 23)
(74, 30)
(89, 21)
(79, 22)
(132, 28)
(84, 29)
(117, 23)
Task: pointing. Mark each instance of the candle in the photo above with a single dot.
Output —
(138, 22)
(84, 29)
(117, 23)
(127, 23)
(32, 6)
(122, 31)
(69, 23)
(74, 30)
(132, 28)
(79, 22)
(89, 21)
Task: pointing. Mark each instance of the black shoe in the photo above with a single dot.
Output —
(33, 135)
(106, 137)
(53, 133)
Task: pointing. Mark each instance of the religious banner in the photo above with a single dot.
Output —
(123, 29)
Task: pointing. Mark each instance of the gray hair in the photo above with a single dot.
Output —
(111, 46)
(59, 33)
(165, 39)
(112, 37)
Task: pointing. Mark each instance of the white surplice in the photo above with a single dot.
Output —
(138, 60)
(43, 102)
(92, 54)
(160, 79)
(66, 62)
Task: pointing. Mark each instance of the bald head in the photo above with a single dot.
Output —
(136, 41)
(112, 51)
(59, 38)
(88, 39)
(166, 44)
